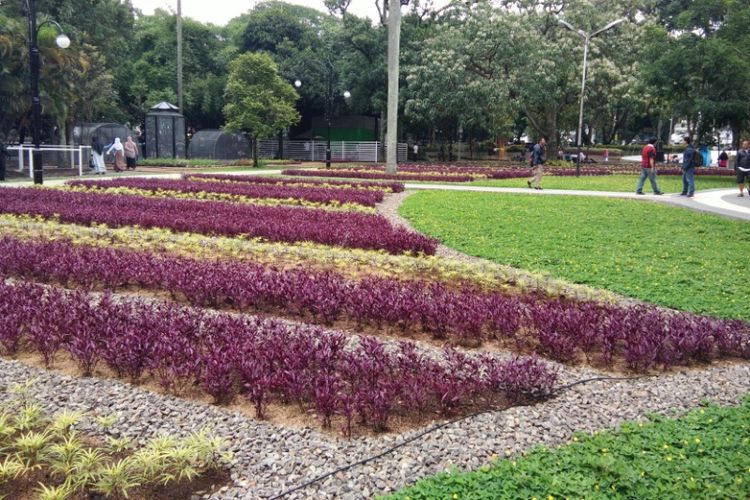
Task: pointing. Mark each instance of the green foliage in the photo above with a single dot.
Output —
(703, 455)
(259, 101)
(31, 442)
(652, 252)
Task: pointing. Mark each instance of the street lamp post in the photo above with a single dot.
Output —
(586, 39)
(329, 110)
(297, 85)
(63, 42)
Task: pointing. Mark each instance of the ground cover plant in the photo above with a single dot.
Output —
(391, 187)
(226, 355)
(644, 337)
(212, 217)
(486, 175)
(50, 458)
(320, 195)
(616, 182)
(664, 255)
(704, 455)
(351, 263)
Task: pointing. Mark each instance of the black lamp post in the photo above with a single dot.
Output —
(63, 42)
(329, 111)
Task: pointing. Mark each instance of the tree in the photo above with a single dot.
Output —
(259, 101)
(693, 56)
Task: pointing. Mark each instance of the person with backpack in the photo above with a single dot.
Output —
(691, 158)
(538, 157)
(648, 167)
(742, 167)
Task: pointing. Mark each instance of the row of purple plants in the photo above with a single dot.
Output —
(644, 336)
(286, 224)
(392, 187)
(366, 197)
(354, 174)
(263, 360)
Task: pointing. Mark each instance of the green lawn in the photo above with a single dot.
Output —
(620, 183)
(665, 255)
(703, 455)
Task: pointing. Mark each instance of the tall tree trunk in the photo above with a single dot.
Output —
(394, 36)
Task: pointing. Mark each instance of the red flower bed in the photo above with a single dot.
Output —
(263, 360)
(364, 197)
(393, 187)
(287, 224)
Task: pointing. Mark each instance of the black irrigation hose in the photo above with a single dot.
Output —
(403, 443)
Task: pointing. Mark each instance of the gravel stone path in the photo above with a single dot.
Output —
(270, 459)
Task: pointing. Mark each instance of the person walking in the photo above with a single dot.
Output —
(648, 167)
(688, 169)
(97, 151)
(131, 153)
(723, 159)
(538, 157)
(742, 167)
(606, 155)
(119, 150)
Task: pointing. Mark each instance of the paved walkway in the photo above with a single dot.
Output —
(722, 202)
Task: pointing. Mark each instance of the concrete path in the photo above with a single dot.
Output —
(722, 202)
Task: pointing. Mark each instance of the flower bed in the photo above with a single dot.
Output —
(378, 175)
(321, 195)
(209, 217)
(642, 336)
(354, 263)
(231, 198)
(393, 187)
(264, 360)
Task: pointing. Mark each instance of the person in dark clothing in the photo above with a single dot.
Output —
(688, 169)
(742, 167)
(538, 157)
(723, 159)
(97, 151)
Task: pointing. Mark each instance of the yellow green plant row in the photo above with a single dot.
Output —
(333, 205)
(349, 262)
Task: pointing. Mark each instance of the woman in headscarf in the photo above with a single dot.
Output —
(131, 152)
(97, 151)
(119, 154)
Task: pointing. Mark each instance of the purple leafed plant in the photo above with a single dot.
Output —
(393, 187)
(282, 224)
(269, 360)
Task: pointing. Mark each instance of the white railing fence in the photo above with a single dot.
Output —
(341, 151)
(75, 156)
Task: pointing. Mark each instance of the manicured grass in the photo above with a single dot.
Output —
(660, 254)
(703, 455)
(620, 183)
